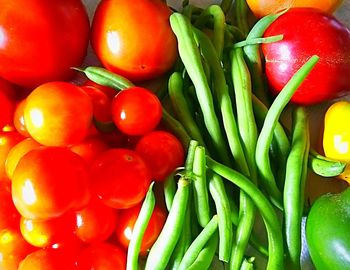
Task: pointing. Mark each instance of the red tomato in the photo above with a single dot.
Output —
(7, 105)
(136, 111)
(126, 223)
(58, 114)
(45, 233)
(41, 40)
(162, 151)
(102, 256)
(9, 216)
(135, 40)
(48, 259)
(120, 177)
(262, 8)
(13, 249)
(96, 222)
(318, 34)
(18, 118)
(49, 182)
(17, 152)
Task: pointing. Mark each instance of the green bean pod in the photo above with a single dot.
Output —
(324, 166)
(240, 12)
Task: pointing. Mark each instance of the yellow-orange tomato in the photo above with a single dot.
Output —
(262, 8)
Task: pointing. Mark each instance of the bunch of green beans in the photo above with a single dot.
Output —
(243, 165)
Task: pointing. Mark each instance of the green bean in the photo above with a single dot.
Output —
(226, 5)
(206, 255)
(105, 77)
(222, 204)
(304, 174)
(272, 223)
(191, 58)
(240, 12)
(163, 247)
(181, 108)
(139, 229)
(324, 166)
(200, 191)
(293, 186)
(169, 190)
(190, 156)
(248, 264)
(265, 137)
(255, 41)
(199, 243)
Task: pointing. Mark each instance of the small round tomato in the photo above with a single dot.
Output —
(45, 233)
(13, 249)
(17, 152)
(162, 151)
(136, 111)
(18, 118)
(58, 114)
(48, 259)
(126, 223)
(38, 42)
(48, 182)
(96, 222)
(261, 8)
(120, 178)
(135, 40)
(102, 256)
(9, 216)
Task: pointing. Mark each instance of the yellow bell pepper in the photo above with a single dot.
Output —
(336, 135)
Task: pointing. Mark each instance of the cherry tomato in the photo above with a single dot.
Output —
(127, 219)
(13, 249)
(8, 139)
(49, 182)
(102, 256)
(17, 152)
(135, 40)
(58, 108)
(136, 111)
(9, 216)
(7, 104)
(45, 233)
(162, 151)
(120, 177)
(319, 34)
(108, 91)
(18, 118)
(262, 8)
(41, 40)
(96, 222)
(48, 259)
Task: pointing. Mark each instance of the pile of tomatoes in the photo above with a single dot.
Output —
(70, 192)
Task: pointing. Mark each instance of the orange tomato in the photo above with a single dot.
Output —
(262, 8)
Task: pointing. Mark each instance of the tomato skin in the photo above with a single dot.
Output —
(49, 182)
(319, 34)
(18, 118)
(102, 256)
(162, 151)
(58, 108)
(136, 40)
(136, 111)
(52, 44)
(262, 8)
(126, 223)
(7, 104)
(120, 178)
(9, 216)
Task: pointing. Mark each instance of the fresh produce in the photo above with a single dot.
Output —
(136, 40)
(262, 8)
(284, 57)
(327, 231)
(38, 42)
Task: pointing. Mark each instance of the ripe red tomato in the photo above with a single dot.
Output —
(58, 114)
(49, 182)
(126, 223)
(48, 259)
(318, 34)
(41, 40)
(9, 216)
(134, 40)
(102, 256)
(136, 111)
(262, 8)
(162, 151)
(45, 233)
(96, 222)
(120, 178)
(18, 118)
(7, 104)
(13, 249)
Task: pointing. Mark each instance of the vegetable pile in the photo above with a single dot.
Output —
(188, 147)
